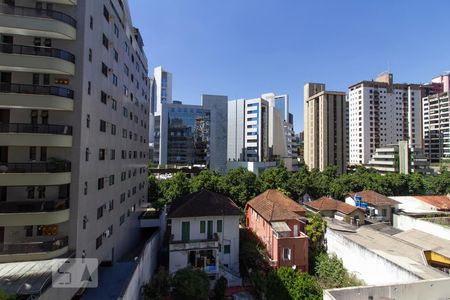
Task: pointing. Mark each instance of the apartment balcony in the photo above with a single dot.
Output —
(13, 95)
(34, 212)
(37, 135)
(37, 22)
(65, 2)
(41, 250)
(34, 174)
(35, 59)
(212, 243)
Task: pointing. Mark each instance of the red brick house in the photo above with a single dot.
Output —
(279, 222)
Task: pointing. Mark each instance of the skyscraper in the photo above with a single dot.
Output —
(74, 104)
(192, 134)
(436, 121)
(380, 113)
(324, 128)
(260, 129)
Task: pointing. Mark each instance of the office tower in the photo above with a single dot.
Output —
(160, 92)
(436, 121)
(258, 129)
(189, 134)
(74, 109)
(161, 89)
(380, 113)
(324, 128)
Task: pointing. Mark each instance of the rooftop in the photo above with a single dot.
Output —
(374, 198)
(203, 203)
(330, 204)
(273, 205)
(394, 249)
(440, 202)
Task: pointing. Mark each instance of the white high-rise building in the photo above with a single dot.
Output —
(161, 89)
(436, 120)
(160, 93)
(381, 113)
(74, 104)
(259, 129)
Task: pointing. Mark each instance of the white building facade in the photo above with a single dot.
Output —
(382, 113)
(260, 129)
(205, 235)
(74, 104)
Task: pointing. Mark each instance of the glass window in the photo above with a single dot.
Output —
(202, 226)
(219, 225)
(226, 249)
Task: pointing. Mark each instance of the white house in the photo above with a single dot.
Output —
(205, 235)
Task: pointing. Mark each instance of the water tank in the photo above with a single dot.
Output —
(363, 204)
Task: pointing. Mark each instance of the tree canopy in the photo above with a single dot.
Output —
(241, 185)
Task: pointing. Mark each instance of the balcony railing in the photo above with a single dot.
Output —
(34, 247)
(46, 167)
(38, 13)
(35, 128)
(33, 206)
(36, 90)
(38, 51)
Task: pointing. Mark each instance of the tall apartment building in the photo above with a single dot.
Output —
(74, 104)
(324, 128)
(192, 134)
(381, 113)
(436, 120)
(260, 129)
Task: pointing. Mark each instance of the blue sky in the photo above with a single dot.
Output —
(243, 48)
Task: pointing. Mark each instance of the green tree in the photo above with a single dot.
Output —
(6, 296)
(154, 191)
(241, 185)
(175, 187)
(207, 180)
(331, 273)
(298, 183)
(285, 283)
(274, 178)
(190, 284)
(315, 229)
(219, 288)
(158, 288)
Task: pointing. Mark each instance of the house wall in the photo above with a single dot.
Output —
(349, 200)
(410, 203)
(298, 243)
(365, 264)
(229, 236)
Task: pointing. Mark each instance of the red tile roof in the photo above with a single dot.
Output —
(330, 204)
(374, 198)
(203, 203)
(273, 205)
(440, 202)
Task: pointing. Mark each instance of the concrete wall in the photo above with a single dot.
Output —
(438, 289)
(145, 268)
(404, 223)
(366, 265)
